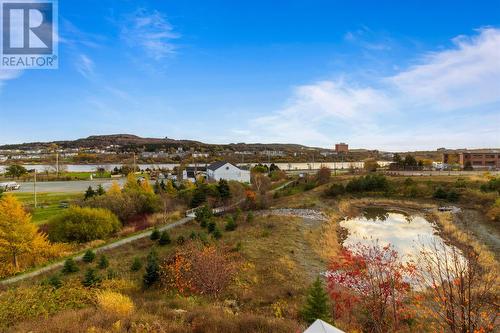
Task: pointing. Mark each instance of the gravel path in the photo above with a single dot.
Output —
(310, 214)
(113, 245)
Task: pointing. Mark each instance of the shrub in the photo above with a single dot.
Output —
(70, 266)
(440, 193)
(136, 265)
(211, 227)
(230, 224)
(132, 201)
(250, 217)
(89, 256)
(91, 278)
(103, 262)
(492, 185)
(152, 274)
(206, 270)
(181, 240)
(371, 182)
(79, 224)
(54, 281)
(217, 234)
(164, 238)
(115, 303)
(155, 234)
(335, 190)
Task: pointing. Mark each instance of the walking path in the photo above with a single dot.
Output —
(113, 245)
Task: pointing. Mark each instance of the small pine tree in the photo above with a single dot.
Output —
(136, 265)
(217, 234)
(103, 262)
(155, 234)
(152, 273)
(100, 190)
(90, 193)
(249, 217)
(70, 266)
(91, 278)
(316, 306)
(89, 256)
(211, 227)
(230, 224)
(192, 236)
(54, 281)
(164, 238)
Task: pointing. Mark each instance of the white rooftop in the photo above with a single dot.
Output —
(319, 326)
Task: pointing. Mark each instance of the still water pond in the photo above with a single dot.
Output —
(407, 233)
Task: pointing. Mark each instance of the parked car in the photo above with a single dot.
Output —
(9, 186)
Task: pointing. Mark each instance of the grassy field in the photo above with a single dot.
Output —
(279, 258)
(49, 204)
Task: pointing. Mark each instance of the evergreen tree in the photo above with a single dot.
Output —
(54, 281)
(103, 262)
(163, 187)
(223, 188)
(100, 190)
(91, 278)
(152, 273)
(90, 193)
(250, 217)
(136, 265)
(217, 234)
(230, 224)
(317, 306)
(211, 227)
(89, 256)
(155, 234)
(164, 238)
(70, 266)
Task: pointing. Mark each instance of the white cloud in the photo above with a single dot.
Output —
(152, 32)
(463, 82)
(465, 76)
(85, 66)
(8, 74)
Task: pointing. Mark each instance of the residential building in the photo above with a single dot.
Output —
(225, 170)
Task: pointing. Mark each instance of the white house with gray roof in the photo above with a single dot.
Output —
(225, 170)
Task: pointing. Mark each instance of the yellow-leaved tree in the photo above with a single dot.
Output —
(21, 245)
(115, 189)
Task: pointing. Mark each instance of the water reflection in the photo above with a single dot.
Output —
(407, 233)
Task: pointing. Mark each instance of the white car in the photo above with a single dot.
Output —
(10, 186)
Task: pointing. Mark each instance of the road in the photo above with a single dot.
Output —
(67, 186)
(113, 245)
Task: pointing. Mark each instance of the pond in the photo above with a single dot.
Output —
(406, 233)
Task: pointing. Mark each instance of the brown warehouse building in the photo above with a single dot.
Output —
(481, 159)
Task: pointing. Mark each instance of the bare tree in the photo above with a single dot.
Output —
(460, 288)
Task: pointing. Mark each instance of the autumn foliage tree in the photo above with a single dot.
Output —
(196, 268)
(369, 284)
(21, 245)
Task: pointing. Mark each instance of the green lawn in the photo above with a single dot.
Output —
(49, 204)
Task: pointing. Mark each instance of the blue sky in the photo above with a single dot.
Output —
(391, 75)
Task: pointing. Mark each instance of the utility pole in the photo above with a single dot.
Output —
(57, 164)
(34, 191)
